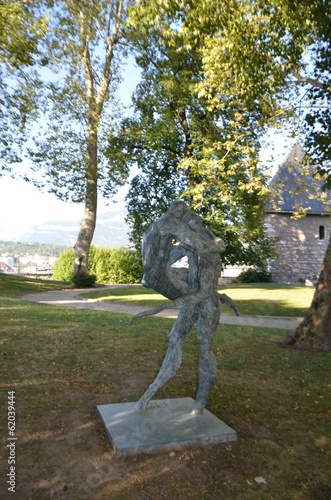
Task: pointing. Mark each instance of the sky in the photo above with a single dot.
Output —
(23, 206)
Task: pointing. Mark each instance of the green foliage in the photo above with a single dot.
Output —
(254, 275)
(212, 75)
(22, 28)
(317, 82)
(63, 266)
(116, 265)
(106, 265)
(195, 131)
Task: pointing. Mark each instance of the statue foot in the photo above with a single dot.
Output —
(141, 405)
(197, 409)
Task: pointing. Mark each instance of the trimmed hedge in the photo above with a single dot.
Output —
(109, 265)
(254, 275)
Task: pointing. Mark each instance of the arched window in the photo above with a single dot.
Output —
(321, 233)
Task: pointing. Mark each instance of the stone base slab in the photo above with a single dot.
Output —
(166, 424)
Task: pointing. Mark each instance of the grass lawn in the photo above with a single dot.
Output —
(62, 362)
(263, 299)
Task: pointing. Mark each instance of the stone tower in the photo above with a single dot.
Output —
(298, 215)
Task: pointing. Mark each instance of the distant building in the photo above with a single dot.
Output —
(7, 261)
(302, 240)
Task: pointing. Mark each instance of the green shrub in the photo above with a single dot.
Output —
(254, 275)
(106, 265)
(116, 265)
(63, 266)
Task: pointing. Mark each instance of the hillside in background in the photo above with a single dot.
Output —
(18, 249)
(111, 231)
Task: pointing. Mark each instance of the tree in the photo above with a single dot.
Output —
(79, 109)
(314, 332)
(182, 141)
(22, 28)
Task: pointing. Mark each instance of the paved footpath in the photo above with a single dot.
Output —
(75, 298)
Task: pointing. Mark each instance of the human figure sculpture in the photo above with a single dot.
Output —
(178, 233)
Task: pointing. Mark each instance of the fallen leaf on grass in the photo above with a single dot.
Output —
(260, 480)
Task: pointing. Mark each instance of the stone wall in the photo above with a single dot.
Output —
(301, 246)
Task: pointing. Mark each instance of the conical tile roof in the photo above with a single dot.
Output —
(295, 190)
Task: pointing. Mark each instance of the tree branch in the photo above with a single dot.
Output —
(86, 59)
(311, 81)
(183, 121)
(164, 148)
(111, 42)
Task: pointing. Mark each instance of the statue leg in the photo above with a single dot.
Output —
(207, 323)
(186, 318)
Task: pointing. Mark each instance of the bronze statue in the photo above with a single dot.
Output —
(176, 234)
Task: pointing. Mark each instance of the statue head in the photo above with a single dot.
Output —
(178, 209)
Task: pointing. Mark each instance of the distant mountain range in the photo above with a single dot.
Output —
(111, 231)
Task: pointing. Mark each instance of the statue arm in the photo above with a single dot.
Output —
(187, 237)
(183, 300)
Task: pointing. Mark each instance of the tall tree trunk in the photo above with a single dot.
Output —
(86, 231)
(88, 222)
(314, 332)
